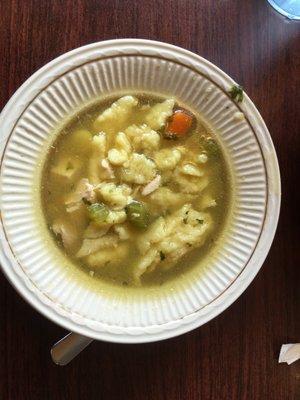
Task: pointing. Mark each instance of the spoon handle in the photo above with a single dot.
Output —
(68, 348)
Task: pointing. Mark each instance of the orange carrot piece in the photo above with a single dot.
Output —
(179, 123)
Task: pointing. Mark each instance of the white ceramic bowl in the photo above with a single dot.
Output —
(34, 265)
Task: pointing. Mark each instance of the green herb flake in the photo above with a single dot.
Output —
(200, 221)
(162, 256)
(212, 147)
(236, 93)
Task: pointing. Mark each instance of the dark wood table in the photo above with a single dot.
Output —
(234, 357)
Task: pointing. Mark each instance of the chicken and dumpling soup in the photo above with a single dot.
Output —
(135, 190)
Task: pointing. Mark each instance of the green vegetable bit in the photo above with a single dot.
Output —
(210, 146)
(236, 93)
(98, 212)
(138, 215)
(162, 255)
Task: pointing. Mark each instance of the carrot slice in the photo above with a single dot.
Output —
(179, 123)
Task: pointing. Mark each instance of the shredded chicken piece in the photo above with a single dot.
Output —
(152, 186)
(108, 168)
(90, 246)
(66, 232)
(93, 231)
(84, 190)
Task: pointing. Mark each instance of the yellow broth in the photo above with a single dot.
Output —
(73, 158)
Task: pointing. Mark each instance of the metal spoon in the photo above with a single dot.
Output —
(68, 348)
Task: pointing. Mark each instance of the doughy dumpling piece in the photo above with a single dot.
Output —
(143, 138)
(99, 143)
(167, 159)
(154, 234)
(67, 167)
(139, 169)
(190, 184)
(115, 195)
(108, 257)
(147, 263)
(159, 113)
(122, 142)
(117, 157)
(90, 246)
(191, 169)
(169, 238)
(116, 217)
(118, 113)
(165, 199)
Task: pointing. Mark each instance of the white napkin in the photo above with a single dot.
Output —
(289, 353)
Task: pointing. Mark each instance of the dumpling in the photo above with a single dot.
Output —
(118, 113)
(67, 168)
(107, 257)
(170, 237)
(139, 169)
(165, 199)
(157, 117)
(167, 159)
(115, 195)
(143, 138)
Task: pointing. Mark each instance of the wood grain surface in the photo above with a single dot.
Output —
(234, 357)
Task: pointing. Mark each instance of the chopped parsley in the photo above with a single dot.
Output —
(210, 146)
(200, 221)
(162, 255)
(236, 93)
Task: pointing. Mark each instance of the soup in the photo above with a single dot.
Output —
(135, 190)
